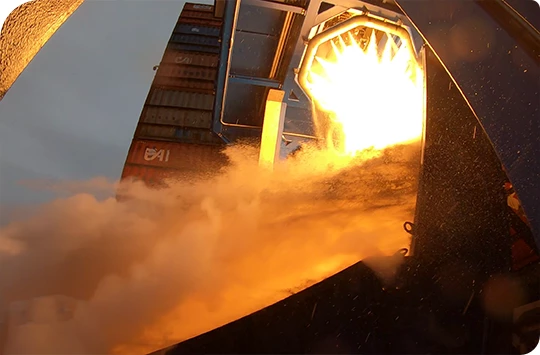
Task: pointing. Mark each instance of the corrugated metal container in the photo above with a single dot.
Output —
(193, 48)
(177, 116)
(201, 21)
(198, 14)
(204, 87)
(158, 131)
(190, 58)
(197, 29)
(151, 176)
(189, 6)
(155, 177)
(195, 39)
(172, 98)
(182, 156)
(172, 133)
(187, 72)
(191, 135)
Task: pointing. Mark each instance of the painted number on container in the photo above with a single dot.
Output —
(183, 60)
(159, 154)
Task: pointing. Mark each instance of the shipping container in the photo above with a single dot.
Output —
(198, 7)
(158, 131)
(195, 40)
(175, 133)
(158, 178)
(177, 117)
(182, 156)
(193, 48)
(173, 139)
(173, 98)
(190, 58)
(187, 72)
(197, 29)
(201, 21)
(199, 86)
(151, 176)
(192, 135)
(197, 15)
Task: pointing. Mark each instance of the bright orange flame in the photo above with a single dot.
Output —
(375, 100)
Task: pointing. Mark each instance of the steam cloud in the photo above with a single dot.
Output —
(165, 265)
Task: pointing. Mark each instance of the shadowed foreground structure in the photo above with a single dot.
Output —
(25, 32)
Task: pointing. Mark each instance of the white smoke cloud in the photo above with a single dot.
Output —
(165, 265)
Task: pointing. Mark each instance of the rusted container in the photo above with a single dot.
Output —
(173, 98)
(189, 6)
(193, 48)
(202, 21)
(197, 14)
(187, 72)
(174, 133)
(195, 40)
(157, 178)
(173, 139)
(197, 29)
(173, 155)
(192, 135)
(199, 86)
(157, 131)
(190, 58)
(151, 176)
(177, 117)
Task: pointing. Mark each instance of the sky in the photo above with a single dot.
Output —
(72, 113)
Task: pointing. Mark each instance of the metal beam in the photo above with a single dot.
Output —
(232, 8)
(272, 132)
(240, 79)
(331, 12)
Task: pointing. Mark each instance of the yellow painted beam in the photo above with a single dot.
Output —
(274, 119)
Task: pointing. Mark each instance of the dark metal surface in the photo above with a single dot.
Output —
(499, 78)
(461, 205)
(353, 313)
(526, 8)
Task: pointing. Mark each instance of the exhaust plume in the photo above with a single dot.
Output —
(165, 265)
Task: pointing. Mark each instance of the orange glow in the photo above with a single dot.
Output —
(374, 98)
